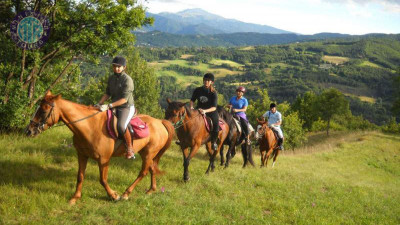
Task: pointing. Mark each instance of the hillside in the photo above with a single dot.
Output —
(364, 70)
(350, 178)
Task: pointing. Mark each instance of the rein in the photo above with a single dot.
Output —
(84, 118)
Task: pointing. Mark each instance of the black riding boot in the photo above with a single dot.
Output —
(280, 143)
(214, 137)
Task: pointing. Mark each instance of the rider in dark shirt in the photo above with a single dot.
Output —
(207, 100)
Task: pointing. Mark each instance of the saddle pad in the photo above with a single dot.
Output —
(110, 127)
(237, 124)
(140, 128)
(220, 123)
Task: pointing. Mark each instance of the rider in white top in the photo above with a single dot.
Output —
(274, 122)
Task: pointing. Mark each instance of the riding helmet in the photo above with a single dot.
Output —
(241, 88)
(208, 76)
(119, 60)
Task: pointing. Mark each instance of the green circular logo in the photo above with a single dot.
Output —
(30, 29)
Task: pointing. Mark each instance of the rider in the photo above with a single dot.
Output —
(239, 104)
(274, 122)
(207, 100)
(120, 89)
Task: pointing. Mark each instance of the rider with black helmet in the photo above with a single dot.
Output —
(207, 100)
(120, 89)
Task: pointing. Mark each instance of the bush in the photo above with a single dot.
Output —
(294, 134)
(392, 127)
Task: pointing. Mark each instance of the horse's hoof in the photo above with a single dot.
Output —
(149, 192)
(186, 179)
(117, 198)
(72, 201)
(125, 197)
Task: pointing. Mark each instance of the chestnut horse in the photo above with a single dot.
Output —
(268, 143)
(192, 132)
(91, 140)
(234, 138)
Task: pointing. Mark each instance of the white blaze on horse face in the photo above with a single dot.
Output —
(258, 131)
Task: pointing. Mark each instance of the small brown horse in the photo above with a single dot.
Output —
(91, 140)
(268, 143)
(192, 132)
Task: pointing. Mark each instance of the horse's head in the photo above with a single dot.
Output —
(262, 126)
(45, 115)
(175, 111)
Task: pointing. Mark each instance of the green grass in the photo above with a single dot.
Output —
(347, 178)
(370, 64)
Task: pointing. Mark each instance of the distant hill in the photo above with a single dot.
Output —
(198, 21)
(164, 39)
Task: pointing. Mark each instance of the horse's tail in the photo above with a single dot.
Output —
(171, 133)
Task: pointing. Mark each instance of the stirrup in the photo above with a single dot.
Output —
(129, 154)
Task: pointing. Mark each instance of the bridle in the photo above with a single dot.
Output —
(181, 122)
(40, 125)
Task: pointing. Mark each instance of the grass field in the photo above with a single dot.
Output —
(204, 67)
(335, 59)
(348, 178)
(368, 63)
(363, 98)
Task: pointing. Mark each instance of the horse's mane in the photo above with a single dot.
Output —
(224, 114)
(81, 106)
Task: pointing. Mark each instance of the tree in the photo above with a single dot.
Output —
(330, 103)
(396, 104)
(82, 30)
(258, 107)
(147, 90)
(294, 133)
(306, 108)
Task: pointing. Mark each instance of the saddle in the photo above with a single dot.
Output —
(136, 126)
(210, 125)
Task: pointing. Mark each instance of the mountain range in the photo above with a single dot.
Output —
(200, 22)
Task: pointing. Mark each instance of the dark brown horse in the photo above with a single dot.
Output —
(268, 143)
(91, 140)
(234, 138)
(192, 132)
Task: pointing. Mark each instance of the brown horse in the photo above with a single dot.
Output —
(268, 143)
(91, 140)
(192, 132)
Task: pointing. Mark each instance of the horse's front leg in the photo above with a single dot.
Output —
(143, 172)
(221, 154)
(275, 156)
(267, 156)
(263, 155)
(229, 154)
(186, 161)
(103, 168)
(82, 160)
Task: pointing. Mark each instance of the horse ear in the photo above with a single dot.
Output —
(48, 93)
(57, 97)
(169, 101)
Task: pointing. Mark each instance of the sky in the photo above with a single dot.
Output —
(300, 16)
